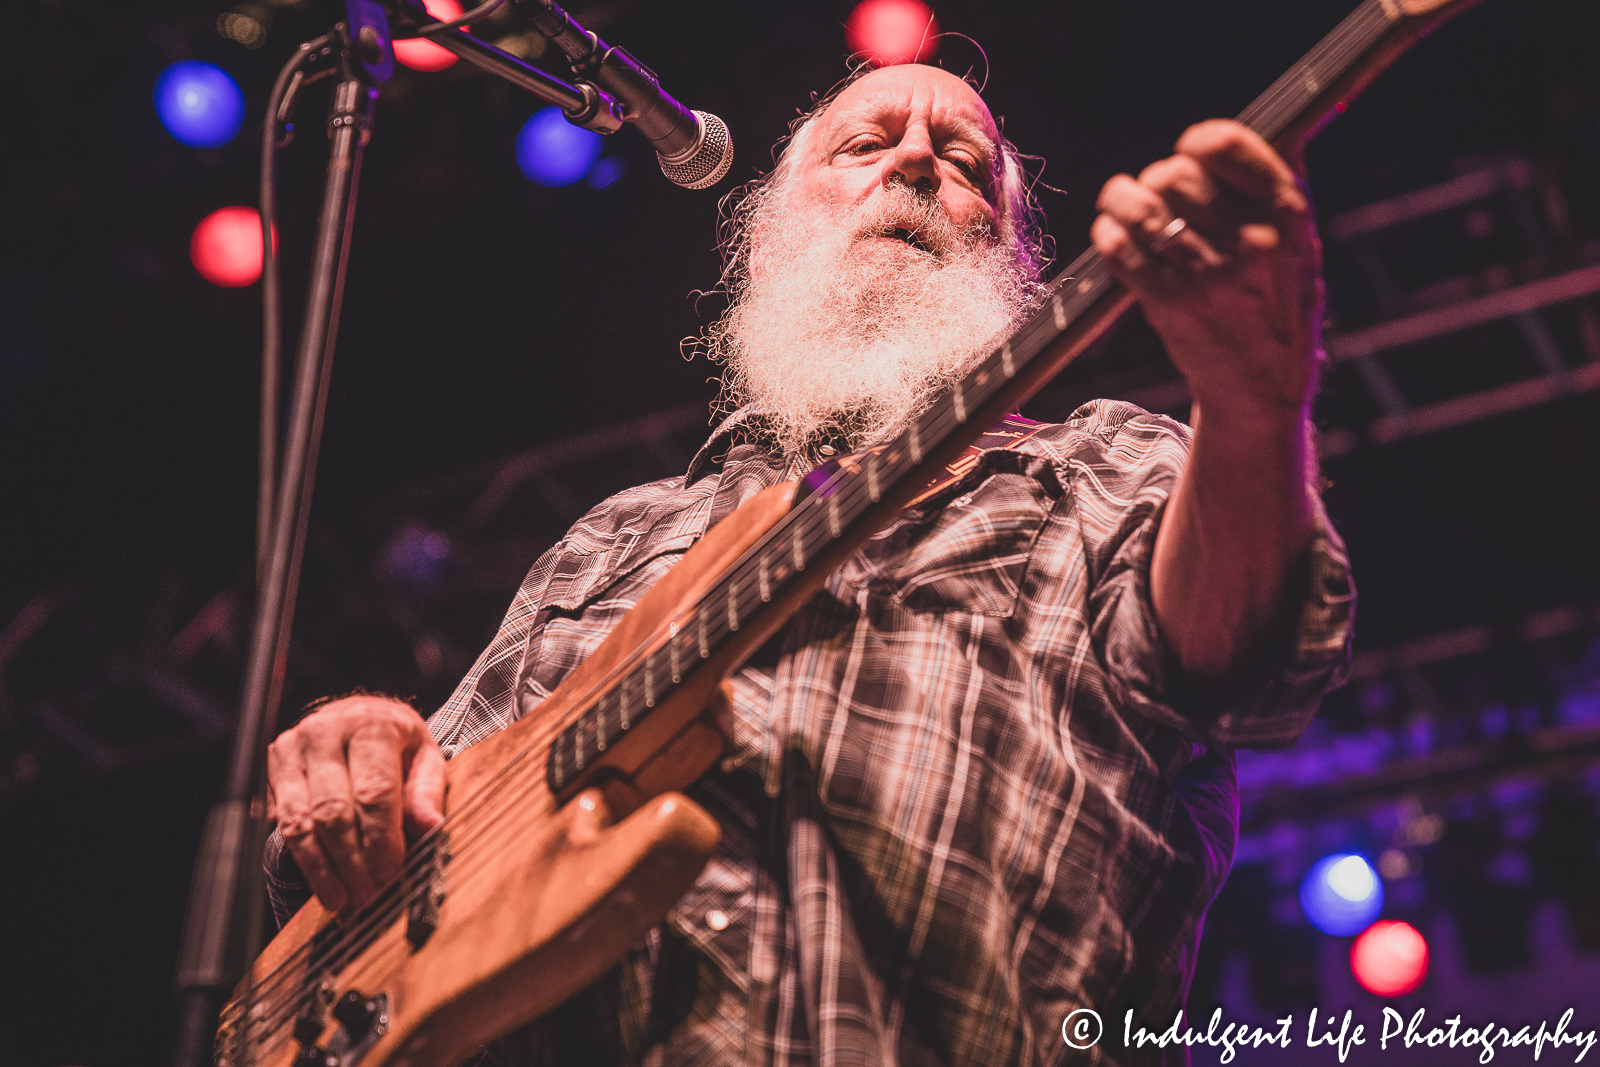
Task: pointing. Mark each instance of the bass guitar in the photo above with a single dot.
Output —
(564, 840)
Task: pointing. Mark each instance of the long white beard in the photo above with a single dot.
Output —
(839, 331)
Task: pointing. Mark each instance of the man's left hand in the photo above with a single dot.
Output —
(1218, 243)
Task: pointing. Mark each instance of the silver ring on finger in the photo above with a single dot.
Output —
(1168, 234)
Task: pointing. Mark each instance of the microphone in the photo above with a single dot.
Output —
(694, 148)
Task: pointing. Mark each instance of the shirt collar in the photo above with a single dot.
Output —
(732, 430)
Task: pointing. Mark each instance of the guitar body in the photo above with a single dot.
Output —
(545, 912)
(540, 897)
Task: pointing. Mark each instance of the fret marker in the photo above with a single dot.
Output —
(672, 653)
(1085, 285)
(622, 703)
(833, 515)
(764, 578)
(1312, 85)
(700, 629)
(1007, 368)
(961, 407)
(733, 605)
(649, 682)
(872, 476)
(799, 550)
(1392, 9)
(916, 444)
(1060, 310)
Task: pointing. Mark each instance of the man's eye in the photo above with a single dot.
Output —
(863, 146)
(966, 165)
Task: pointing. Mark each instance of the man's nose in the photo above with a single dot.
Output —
(912, 162)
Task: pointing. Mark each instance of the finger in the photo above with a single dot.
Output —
(374, 756)
(332, 807)
(291, 799)
(425, 788)
(1186, 186)
(1150, 221)
(1111, 240)
(1241, 158)
(1143, 274)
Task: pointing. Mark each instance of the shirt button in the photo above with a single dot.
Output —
(716, 920)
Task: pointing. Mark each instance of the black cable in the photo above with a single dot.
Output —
(476, 15)
(283, 90)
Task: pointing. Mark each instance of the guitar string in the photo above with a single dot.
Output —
(1293, 82)
(1359, 23)
(1287, 98)
(382, 910)
(275, 1012)
(1262, 115)
(372, 920)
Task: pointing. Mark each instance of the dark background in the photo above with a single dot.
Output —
(486, 316)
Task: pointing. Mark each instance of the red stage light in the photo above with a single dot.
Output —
(892, 31)
(226, 246)
(419, 53)
(1389, 959)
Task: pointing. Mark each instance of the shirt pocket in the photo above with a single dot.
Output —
(966, 552)
(625, 569)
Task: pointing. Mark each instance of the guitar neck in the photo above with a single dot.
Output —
(844, 502)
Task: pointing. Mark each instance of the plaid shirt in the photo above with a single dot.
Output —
(968, 789)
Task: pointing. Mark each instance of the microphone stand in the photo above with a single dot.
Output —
(226, 915)
(223, 926)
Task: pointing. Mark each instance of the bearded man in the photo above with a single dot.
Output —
(984, 778)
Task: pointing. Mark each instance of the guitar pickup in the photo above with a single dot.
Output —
(426, 892)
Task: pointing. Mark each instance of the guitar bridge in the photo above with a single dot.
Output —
(427, 893)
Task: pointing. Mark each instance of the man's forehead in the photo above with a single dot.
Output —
(892, 91)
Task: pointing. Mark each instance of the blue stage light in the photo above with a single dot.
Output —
(199, 104)
(552, 151)
(1341, 894)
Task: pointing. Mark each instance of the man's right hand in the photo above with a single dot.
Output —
(349, 785)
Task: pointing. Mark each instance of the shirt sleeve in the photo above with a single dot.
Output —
(1271, 697)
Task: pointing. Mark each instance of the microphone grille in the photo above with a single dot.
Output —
(711, 158)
